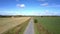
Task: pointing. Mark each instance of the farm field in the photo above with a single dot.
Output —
(51, 24)
(36, 29)
(9, 23)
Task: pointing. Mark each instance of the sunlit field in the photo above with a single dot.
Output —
(12, 22)
(51, 25)
(42, 25)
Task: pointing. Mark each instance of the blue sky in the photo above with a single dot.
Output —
(29, 7)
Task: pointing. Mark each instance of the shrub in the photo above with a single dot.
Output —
(35, 21)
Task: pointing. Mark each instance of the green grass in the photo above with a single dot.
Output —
(50, 23)
(36, 29)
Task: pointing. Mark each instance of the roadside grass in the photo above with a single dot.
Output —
(52, 24)
(35, 26)
(24, 27)
(36, 29)
(18, 29)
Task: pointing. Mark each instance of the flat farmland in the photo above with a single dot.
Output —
(51, 24)
(8, 23)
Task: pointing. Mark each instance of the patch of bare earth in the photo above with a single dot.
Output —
(42, 30)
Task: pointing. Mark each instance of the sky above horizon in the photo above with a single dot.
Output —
(29, 7)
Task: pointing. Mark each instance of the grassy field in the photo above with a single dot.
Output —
(52, 24)
(36, 29)
(9, 23)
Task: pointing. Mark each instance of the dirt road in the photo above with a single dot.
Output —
(30, 27)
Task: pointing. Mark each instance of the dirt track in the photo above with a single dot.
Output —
(12, 23)
(30, 27)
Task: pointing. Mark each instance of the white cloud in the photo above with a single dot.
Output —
(47, 12)
(21, 5)
(44, 4)
(54, 6)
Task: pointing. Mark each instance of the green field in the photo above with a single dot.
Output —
(52, 24)
(36, 29)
